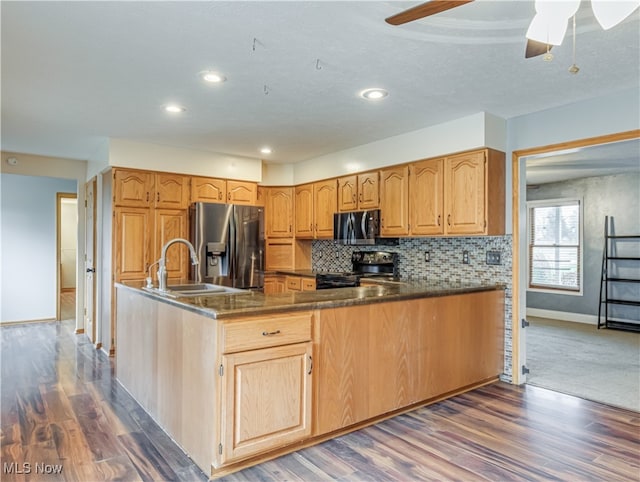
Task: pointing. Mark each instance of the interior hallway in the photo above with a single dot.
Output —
(62, 405)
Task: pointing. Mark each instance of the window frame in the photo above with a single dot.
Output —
(556, 203)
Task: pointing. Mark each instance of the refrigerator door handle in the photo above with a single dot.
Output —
(231, 249)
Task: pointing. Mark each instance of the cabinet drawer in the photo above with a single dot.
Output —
(293, 283)
(266, 332)
(308, 284)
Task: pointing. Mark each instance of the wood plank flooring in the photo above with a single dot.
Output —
(61, 408)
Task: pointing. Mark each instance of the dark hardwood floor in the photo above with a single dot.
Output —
(61, 408)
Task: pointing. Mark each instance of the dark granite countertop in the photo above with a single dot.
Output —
(227, 306)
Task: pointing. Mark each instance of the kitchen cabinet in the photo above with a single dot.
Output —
(150, 209)
(359, 192)
(300, 283)
(135, 188)
(315, 204)
(426, 191)
(267, 363)
(207, 189)
(260, 195)
(279, 212)
(474, 193)
(394, 201)
(274, 283)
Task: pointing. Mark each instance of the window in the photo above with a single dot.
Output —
(555, 237)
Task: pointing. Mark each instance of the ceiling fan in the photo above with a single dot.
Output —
(549, 24)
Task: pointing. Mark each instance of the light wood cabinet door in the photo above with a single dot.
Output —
(426, 187)
(171, 224)
(279, 212)
(368, 190)
(266, 399)
(273, 284)
(208, 190)
(308, 284)
(324, 206)
(394, 201)
(464, 187)
(348, 193)
(304, 211)
(242, 192)
(280, 254)
(132, 188)
(171, 191)
(132, 236)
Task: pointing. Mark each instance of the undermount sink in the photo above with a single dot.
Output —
(195, 289)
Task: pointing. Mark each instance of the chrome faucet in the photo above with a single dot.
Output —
(162, 267)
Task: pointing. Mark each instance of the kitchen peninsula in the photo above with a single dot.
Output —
(236, 379)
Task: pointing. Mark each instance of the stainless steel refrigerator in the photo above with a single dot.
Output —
(229, 240)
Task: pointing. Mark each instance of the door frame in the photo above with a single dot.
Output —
(59, 197)
(518, 170)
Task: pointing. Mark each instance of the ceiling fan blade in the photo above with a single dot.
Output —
(535, 48)
(424, 10)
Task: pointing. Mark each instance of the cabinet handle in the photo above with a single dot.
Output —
(147, 196)
(220, 195)
(311, 227)
(158, 197)
(289, 228)
(449, 219)
(360, 197)
(353, 198)
(270, 333)
(229, 196)
(310, 365)
(438, 220)
(382, 222)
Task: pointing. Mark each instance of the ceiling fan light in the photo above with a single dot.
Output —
(547, 30)
(557, 8)
(610, 13)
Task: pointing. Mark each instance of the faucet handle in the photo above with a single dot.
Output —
(149, 282)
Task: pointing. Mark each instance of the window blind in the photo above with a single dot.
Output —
(554, 246)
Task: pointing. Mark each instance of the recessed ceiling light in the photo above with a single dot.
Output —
(213, 77)
(174, 108)
(266, 150)
(374, 94)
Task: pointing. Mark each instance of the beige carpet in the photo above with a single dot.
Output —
(578, 359)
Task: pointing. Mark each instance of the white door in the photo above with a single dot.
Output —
(90, 248)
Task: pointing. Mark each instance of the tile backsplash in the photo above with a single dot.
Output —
(445, 263)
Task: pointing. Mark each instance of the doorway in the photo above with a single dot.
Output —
(66, 255)
(521, 280)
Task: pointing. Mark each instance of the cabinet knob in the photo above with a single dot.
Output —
(220, 195)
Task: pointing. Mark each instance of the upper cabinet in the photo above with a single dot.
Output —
(279, 212)
(394, 201)
(242, 192)
(132, 188)
(426, 197)
(208, 190)
(148, 189)
(315, 205)
(474, 193)
(212, 190)
(358, 192)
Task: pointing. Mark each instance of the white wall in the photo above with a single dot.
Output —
(459, 135)
(139, 155)
(28, 246)
(39, 166)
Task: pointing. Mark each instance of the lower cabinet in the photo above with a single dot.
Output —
(266, 399)
(274, 283)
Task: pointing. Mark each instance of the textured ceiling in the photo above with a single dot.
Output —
(77, 73)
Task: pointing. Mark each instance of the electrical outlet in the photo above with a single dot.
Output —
(493, 257)
(427, 256)
(465, 257)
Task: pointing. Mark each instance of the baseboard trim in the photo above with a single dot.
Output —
(563, 316)
(79, 331)
(19, 322)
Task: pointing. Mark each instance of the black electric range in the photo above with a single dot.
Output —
(366, 264)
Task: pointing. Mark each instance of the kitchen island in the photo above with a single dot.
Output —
(237, 379)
